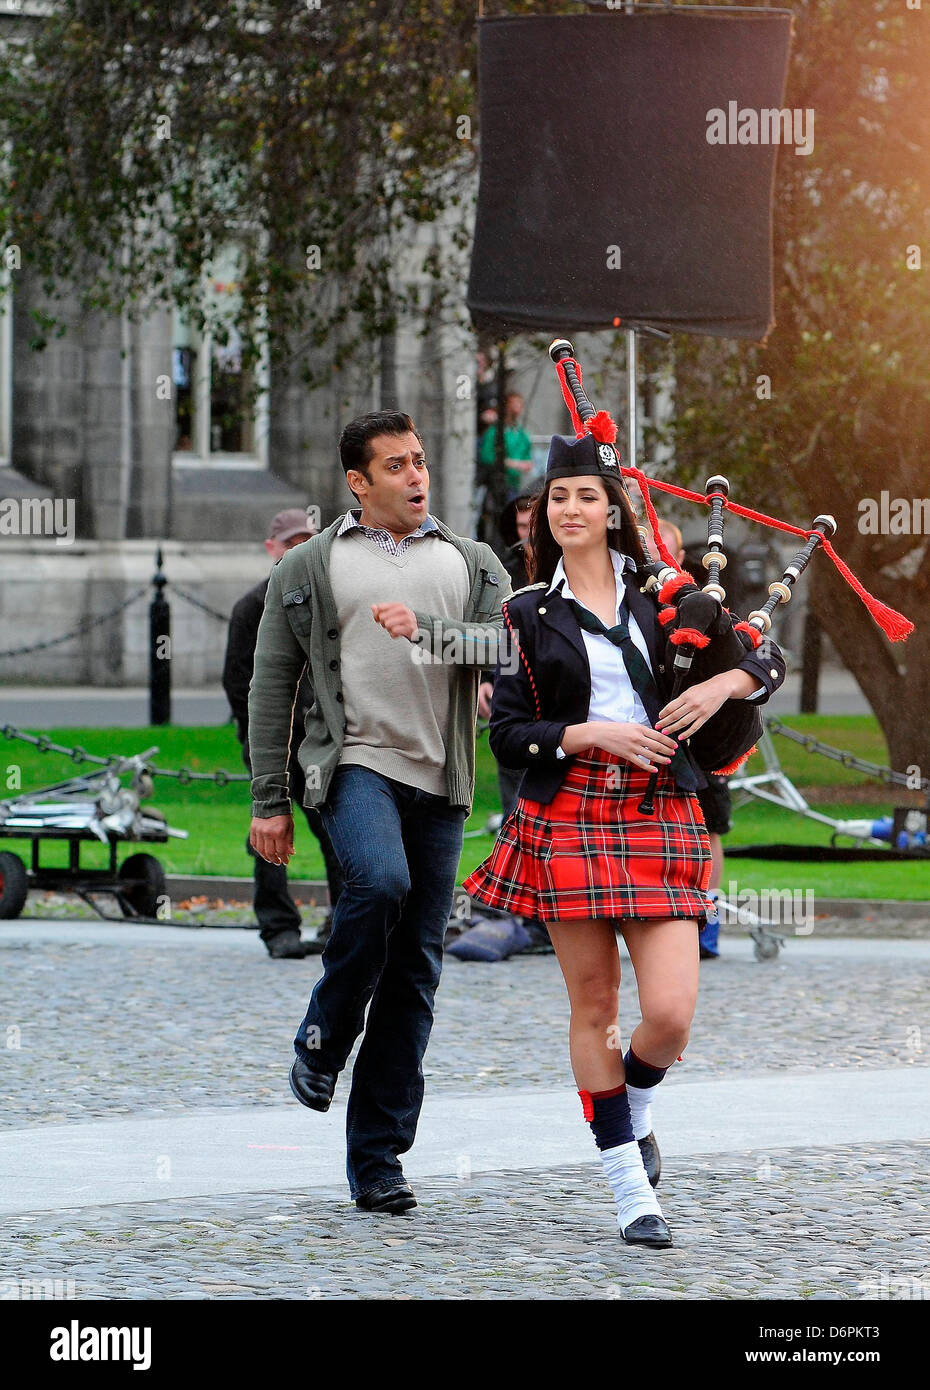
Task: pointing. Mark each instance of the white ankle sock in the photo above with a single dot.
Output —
(627, 1176)
(640, 1098)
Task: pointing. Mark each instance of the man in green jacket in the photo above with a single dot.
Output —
(395, 617)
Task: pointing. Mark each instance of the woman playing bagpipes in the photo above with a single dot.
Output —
(583, 704)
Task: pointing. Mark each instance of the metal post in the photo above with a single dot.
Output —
(810, 664)
(498, 489)
(631, 396)
(159, 649)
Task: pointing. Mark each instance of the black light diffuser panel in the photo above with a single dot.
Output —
(594, 135)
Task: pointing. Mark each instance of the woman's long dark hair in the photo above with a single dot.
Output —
(545, 549)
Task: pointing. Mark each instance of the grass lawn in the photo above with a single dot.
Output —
(217, 818)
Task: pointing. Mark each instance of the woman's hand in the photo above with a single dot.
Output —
(637, 743)
(693, 707)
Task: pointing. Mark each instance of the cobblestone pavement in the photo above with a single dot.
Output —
(102, 1029)
(845, 1223)
(107, 1030)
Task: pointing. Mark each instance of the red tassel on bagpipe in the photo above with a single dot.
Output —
(690, 636)
(671, 586)
(734, 766)
(753, 633)
(894, 624)
(667, 615)
(603, 427)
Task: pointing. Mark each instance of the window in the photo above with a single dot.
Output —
(221, 410)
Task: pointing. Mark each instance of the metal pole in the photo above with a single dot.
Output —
(498, 489)
(631, 396)
(159, 649)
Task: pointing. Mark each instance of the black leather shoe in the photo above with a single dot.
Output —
(288, 945)
(647, 1230)
(652, 1159)
(312, 1088)
(395, 1199)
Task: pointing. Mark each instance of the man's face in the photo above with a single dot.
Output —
(277, 548)
(523, 522)
(514, 407)
(395, 496)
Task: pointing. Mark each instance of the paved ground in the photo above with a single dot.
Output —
(47, 707)
(149, 1145)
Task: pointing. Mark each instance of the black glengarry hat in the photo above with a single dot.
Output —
(578, 458)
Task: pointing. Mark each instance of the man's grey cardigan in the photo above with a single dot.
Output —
(299, 628)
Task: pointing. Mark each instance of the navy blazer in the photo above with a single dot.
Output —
(553, 646)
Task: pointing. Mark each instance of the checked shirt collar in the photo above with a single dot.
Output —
(384, 538)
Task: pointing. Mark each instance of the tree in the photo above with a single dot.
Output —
(848, 416)
(141, 137)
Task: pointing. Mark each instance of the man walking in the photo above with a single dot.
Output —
(396, 616)
(275, 910)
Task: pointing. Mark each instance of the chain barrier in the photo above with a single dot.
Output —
(198, 603)
(78, 631)
(91, 623)
(184, 775)
(814, 745)
(221, 777)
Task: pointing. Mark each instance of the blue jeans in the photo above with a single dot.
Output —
(399, 850)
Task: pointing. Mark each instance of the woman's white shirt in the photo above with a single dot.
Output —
(613, 698)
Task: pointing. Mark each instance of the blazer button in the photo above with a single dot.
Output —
(339, 696)
(533, 748)
(333, 633)
(334, 665)
(540, 610)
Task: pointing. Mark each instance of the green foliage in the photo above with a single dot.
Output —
(143, 137)
(849, 413)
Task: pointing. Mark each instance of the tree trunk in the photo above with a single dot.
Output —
(894, 677)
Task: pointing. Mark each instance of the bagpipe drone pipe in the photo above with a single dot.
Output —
(703, 638)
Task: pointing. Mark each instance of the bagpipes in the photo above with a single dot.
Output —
(702, 637)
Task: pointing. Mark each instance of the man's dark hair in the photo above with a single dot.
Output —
(355, 443)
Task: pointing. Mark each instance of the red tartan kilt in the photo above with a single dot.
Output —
(589, 853)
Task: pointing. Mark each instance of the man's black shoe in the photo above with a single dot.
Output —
(395, 1200)
(287, 945)
(312, 1088)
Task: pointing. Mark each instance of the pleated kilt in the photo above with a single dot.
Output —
(589, 853)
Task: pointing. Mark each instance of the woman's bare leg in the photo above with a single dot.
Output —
(590, 961)
(666, 964)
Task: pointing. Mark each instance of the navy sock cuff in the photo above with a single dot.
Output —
(608, 1113)
(640, 1073)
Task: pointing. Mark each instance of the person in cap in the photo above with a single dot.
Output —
(586, 711)
(275, 910)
